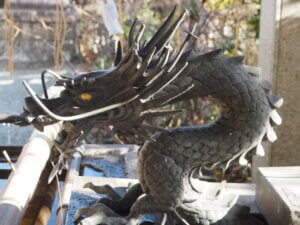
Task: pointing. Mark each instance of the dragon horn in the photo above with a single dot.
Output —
(129, 62)
(167, 36)
(154, 85)
(159, 33)
(156, 70)
(131, 33)
(119, 54)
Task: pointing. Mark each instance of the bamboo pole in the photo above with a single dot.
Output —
(21, 184)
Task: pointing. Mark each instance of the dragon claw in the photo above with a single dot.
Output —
(99, 214)
(88, 185)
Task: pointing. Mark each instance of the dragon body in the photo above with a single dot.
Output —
(148, 77)
(166, 163)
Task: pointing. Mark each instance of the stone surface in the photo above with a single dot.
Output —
(113, 160)
(278, 195)
(130, 164)
(82, 197)
(34, 44)
(285, 152)
(279, 58)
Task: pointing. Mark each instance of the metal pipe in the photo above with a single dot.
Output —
(63, 207)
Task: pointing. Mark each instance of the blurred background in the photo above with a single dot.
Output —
(75, 36)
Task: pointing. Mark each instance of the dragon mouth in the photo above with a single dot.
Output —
(47, 106)
(36, 111)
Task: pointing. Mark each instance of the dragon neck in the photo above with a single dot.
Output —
(244, 119)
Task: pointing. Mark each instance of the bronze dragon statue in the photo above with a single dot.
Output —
(148, 76)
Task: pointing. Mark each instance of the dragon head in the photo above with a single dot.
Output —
(123, 95)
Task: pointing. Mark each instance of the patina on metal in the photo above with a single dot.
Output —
(150, 75)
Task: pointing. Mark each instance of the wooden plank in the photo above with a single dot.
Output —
(96, 151)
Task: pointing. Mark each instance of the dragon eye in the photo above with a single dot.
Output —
(86, 96)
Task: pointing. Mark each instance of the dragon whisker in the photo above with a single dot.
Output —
(57, 76)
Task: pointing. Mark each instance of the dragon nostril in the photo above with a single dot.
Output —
(87, 83)
(91, 81)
